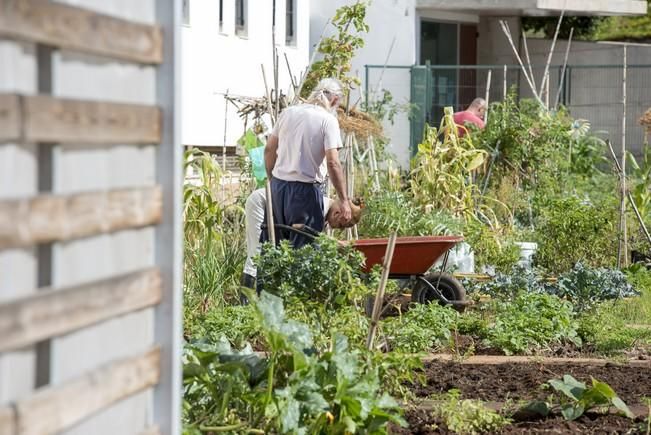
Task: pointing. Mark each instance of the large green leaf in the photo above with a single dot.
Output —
(619, 404)
(569, 386)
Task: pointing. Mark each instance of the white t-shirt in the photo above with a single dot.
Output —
(255, 208)
(304, 134)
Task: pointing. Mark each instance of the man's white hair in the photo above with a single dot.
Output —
(324, 91)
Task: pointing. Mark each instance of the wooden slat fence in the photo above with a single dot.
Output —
(46, 219)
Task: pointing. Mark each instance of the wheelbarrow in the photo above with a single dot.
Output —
(413, 257)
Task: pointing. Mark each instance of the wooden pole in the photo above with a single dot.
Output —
(266, 93)
(545, 77)
(505, 90)
(373, 161)
(271, 229)
(527, 58)
(507, 32)
(291, 76)
(349, 175)
(379, 296)
(488, 92)
(622, 254)
(562, 81)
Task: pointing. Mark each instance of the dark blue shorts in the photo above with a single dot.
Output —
(295, 202)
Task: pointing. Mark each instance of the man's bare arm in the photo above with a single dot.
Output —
(270, 154)
(336, 174)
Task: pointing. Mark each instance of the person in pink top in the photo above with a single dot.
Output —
(474, 114)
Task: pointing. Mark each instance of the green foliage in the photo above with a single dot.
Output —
(385, 108)
(604, 329)
(491, 247)
(585, 287)
(531, 143)
(639, 179)
(625, 28)
(444, 167)
(570, 230)
(576, 398)
(339, 49)
(422, 328)
(584, 27)
(238, 324)
(291, 391)
(324, 271)
(637, 310)
(530, 322)
(387, 211)
(469, 417)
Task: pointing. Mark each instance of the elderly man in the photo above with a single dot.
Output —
(302, 138)
(255, 209)
(474, 114)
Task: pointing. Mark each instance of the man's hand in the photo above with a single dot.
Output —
(346, 211)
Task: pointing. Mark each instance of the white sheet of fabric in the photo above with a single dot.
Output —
(304, 134)
(254, 215)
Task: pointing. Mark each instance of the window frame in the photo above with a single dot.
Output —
(185, 13)
(291, 39)
(241, 17)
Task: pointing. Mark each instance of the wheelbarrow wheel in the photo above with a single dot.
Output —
(449, 286)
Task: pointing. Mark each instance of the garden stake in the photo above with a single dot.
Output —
(505, 84)
(270, 214)
(266, 92)
(622, 258)
(545, 77)
(526, 56)
(379, 297)
(630, 197)
(373, 159)
(562, 82)
(291, 77)
(488, 91)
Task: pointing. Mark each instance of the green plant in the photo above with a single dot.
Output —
(585, 287)
(338, 50)
(570, 230)
(639, 178)
(323, 271)
(238, 324)
(471, 417)
(491, 246)
(530, 322)
(443, 169)
(387, 211)
(577, 398)
(422, 328)
(604, 329)
(293, 390)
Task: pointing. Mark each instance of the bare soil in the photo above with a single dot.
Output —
(520, 381)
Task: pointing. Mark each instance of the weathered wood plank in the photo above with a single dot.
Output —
(7, 421)
(59, 407)
(51, 218)
(74, 28)
(51, 313)
(9, 118)
(49, 119)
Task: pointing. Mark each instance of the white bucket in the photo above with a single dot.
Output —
(527, 250)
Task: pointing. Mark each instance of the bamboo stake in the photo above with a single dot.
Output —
(379, 296)
(547, 94)
(622, 254)
(504, 91)
(291, 77)
(349, 175)
(384, 67)
(527, 58)
(545, 77)
(488, 92)
(271, 229)
(225, 125)
(373, 160)
(562, 81)
(276, 88)
(266, 92)
(507, 32)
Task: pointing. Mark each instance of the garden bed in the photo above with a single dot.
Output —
(518, 381)
(422, 421)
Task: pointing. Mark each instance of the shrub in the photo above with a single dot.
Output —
(469, 416)
(569, 231)
(491, 247)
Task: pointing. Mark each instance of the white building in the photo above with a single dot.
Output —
(444, 32)
(224, 43)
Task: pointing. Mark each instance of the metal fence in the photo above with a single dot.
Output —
(592, 92)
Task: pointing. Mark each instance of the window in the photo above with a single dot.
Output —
(186, 12)
(240, 17)
(221, 15)
(290, 22)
